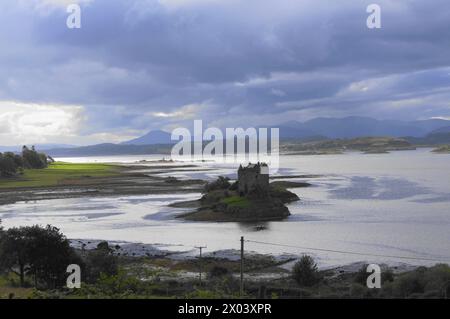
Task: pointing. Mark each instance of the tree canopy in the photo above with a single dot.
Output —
(11, 164)
(305, 271)
(41, 252)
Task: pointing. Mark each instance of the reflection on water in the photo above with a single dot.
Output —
(391, 204)
(363, 187)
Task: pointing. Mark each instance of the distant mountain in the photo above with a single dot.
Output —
(106, 149)
(39, 147)
(431, 125)
(425, 132)
(151, 138)
(322, 128)
(431, 139)
(354, 126)
(295, 130)
(445, 129)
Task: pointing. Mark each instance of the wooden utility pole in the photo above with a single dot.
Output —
(242, 266)
(200, 266)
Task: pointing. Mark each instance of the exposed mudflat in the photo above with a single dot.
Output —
(131, 180)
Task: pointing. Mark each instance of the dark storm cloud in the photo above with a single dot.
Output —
(135, 64)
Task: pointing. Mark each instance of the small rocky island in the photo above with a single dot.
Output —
(249, 199)
(443, 149)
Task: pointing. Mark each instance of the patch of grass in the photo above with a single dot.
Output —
(16, 293)
(59, 173)
(10, 290)
(236, 201)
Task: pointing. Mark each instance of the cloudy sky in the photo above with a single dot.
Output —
(138, 65)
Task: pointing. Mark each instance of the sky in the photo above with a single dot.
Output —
(140, 65)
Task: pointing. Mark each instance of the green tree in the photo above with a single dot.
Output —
(14, 253)
(11, 164)
(33, 159)
(17, 159)
(43, 253)
(305, 271)
(8, 165)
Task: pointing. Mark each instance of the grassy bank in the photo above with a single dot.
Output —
(59, 173)
(153, 278)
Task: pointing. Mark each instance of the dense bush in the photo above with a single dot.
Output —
(219, 184)
(361, 275)
(305, 272)
(9, 165)
(217, 272)
(100, 262)
(422, 282)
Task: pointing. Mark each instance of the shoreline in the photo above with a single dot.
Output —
(129, 180)
(280, 264)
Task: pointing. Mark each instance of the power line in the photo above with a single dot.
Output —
(348, 252)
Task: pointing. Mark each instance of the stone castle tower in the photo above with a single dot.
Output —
(253, 178)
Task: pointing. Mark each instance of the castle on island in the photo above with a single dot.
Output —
(254, 178)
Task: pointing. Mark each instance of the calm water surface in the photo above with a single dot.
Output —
(390, 204)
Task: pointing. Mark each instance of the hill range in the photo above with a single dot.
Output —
(422, 132)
